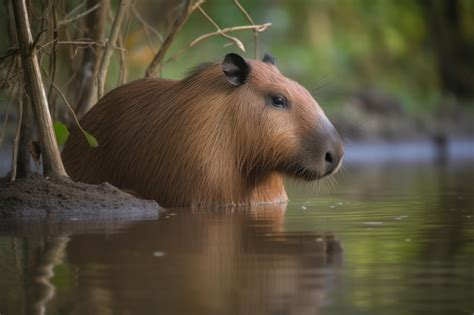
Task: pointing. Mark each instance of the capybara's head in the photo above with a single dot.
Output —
(281, 127)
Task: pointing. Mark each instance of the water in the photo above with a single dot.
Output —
(395, 238)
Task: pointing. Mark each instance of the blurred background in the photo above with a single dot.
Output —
(397, 80)
(384, 71)
(381, 69)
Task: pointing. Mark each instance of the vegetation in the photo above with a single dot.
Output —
(416, 52)
(72, 49)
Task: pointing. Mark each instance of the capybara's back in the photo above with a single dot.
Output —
(222, 136)
(119, 123)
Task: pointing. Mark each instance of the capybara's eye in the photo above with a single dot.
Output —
(279, 101)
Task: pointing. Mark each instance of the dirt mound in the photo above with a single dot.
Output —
(41, 197)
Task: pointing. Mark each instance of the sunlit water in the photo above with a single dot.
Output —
(394, 238)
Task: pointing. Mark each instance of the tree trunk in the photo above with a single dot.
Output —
(23, 166)
(52, 163)
(23, 158)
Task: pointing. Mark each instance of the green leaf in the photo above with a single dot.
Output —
(60, 131)
(91, 140)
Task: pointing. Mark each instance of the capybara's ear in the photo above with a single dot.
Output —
(236, 69)
(269, 59)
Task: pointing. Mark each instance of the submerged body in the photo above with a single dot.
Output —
(224, 135)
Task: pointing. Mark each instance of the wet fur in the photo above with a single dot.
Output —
(197, 141)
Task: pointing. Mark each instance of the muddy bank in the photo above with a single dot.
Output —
(40, 197)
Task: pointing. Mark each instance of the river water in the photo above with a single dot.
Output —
(393, 237)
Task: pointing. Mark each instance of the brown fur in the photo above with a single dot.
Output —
(198, 141)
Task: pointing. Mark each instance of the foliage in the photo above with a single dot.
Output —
(417, 52)
(69, 57)
(91, 140)
(349, 45)
(61, 132)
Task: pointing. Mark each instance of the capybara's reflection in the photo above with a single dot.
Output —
(233, 261)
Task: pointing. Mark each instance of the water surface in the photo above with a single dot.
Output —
(394, 238)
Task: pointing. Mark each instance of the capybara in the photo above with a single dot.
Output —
(224, 135)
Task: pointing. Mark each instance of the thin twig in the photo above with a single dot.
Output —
(52, 59)
(122, 52)
(149, 41)
(189, 8)
(85, 84)
(147, 26)
(68, 104)
(79, 16)
(36, 41)
(44, 12)
(233, 39)
(12, 66)
(70, 51)
(73, 11)
(258, 28)
(249, 18)
(107, 54)
(81, 43)
(11, 52)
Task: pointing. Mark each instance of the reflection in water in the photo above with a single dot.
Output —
(407, 231)
(234, 262)
(44, 255)
(34, 260)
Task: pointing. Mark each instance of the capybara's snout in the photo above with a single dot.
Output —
(333, 151)
(325, 148)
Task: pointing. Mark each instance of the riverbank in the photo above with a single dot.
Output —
(43, 197)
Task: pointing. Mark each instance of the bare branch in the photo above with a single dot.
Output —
(85, 73)
(82, 43)
(110, 43)
(11, 66)
(52, 163)
(69, 106)
(233, 39)
(79, 16)
(123, 74)
(122, 52)
(258, 28)
(73, 11)
(189, 8)
(249, 18)
(147, 26)
(11, 52)
(52, 57)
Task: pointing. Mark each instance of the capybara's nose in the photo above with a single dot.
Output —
(334, 153)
